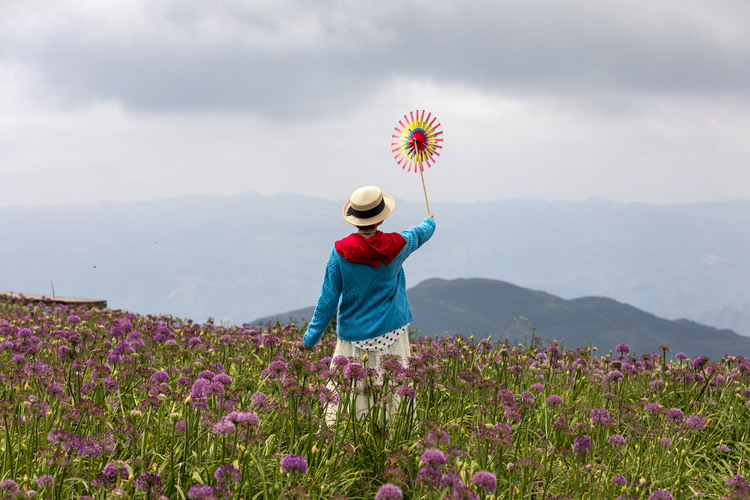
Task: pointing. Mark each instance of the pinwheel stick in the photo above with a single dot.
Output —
(421, 175)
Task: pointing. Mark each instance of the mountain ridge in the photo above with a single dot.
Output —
(498, 309)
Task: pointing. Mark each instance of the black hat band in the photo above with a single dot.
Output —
(367, 214)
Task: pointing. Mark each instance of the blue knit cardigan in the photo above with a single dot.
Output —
(370, 300)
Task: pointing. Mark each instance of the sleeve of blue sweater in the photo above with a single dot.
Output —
(328, 302)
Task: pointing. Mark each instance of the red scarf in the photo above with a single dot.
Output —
(381, 247)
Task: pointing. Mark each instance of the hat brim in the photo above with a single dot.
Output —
(389, 204)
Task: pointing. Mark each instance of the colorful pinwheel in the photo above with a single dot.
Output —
(417, 140)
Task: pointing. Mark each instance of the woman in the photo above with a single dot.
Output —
(365, 281)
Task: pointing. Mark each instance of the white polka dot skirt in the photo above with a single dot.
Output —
(381, 342)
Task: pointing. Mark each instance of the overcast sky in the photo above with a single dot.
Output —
(125, 100)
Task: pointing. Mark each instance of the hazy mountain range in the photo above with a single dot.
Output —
(496, 309)
(242, 257)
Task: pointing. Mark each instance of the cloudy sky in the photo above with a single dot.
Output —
(125, 100)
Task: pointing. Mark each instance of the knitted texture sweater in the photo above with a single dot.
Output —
(370, 300)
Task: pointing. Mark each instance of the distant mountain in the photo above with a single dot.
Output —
(240, 257)
(491, 308)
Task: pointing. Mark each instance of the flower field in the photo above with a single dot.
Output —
(105, 404)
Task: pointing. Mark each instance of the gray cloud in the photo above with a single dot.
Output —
(519, 48)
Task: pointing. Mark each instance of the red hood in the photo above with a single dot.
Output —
(381, 247)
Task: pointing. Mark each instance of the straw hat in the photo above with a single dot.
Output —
(367, 206)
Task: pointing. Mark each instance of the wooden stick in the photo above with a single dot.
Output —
(421, 175)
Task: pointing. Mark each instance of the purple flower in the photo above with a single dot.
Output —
(622, 349)
(699, 362)
(486, 481)
(227, 472)
(73, 319)
(738, 484)
(619, 479)
(660, 495)
(695, 421)
(148, 481)
(653, 408)
(389, 492)
(433, 458)
(45, 481)
(340, 361)
(665, 442)
(538, 387)
(616, 440)
(244, 417)
(116, 469)
(600, 416)
(675, 415)
(681, 356)
(355, 372)
(54, 389)
(160, 377)
(111, 384)
(722, 447)
(201, 492)
(207, 374)
(294, 463)
(581, 445)
(259, 400)
(554, 400)
(406, 391)
(223, 427)
(223, 378)
(9, 485)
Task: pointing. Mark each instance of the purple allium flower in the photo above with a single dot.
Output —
(206, 374)
(675, 415)
(406, 391)
(660, 495)
(738, 484)
(19, 360)
(389, 492)
(201, 492)
(259, 400)
(73, 319)
(196, 391)
(554, 400)
(622, 349)
(619, 479)
(354, 371)
(223, 427)
(581, 445)
(160, 377)
(613, 375)
(244, 417)
(665, 442)
(695, 421)
(486, 481)
(294, 463)
(213, 388)
(223, 378)
(194, 341)
(433, 458)
(9, 485)
(340, 361)
(54, 389)
(429, 477)
(116, 469)
(148, 481)
(653, 408)
(111, 384)
(537, 387)
(722, 447)
(45, 481)
(616, 440)
(681, 356)
(227, 472)
(599, 416)
(699, 362)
